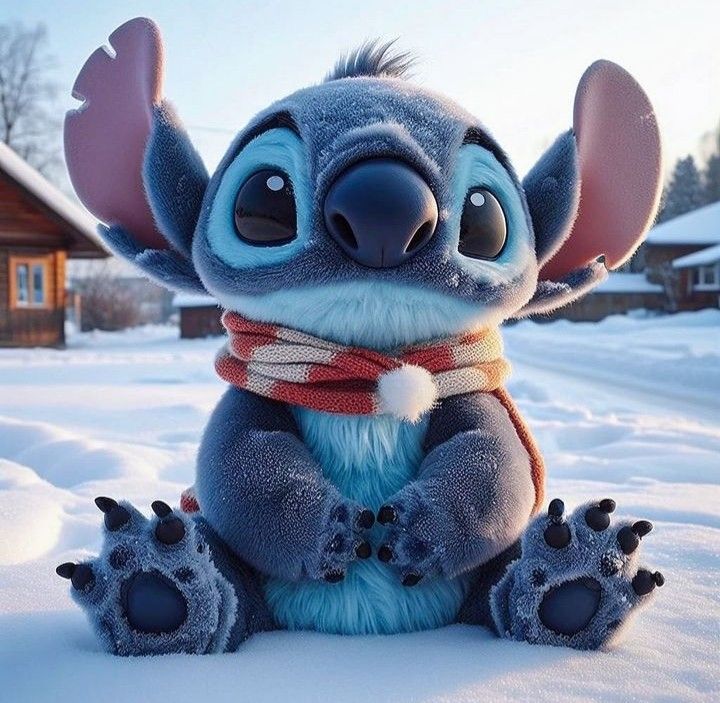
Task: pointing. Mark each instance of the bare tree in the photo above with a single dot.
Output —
(28, 123)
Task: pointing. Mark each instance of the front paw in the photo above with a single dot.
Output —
(577, 581)
(343, 539)
(411, 542)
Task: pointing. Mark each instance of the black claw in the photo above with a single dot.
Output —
(556, 508)
(411, 579)
(366, 519)
(105, 504)
(65, 570)
(607, 505)
(645, 582)
(385, 553)
(642, 527)
(115, 515)
(160, 508)
(387, 515)
(334, 576)
(557, 536)
(598, 517)
(170, 529)
(363, 550)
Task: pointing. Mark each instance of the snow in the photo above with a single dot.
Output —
(194, 300)
(704, 257)
(625, 408)
(24, 174)
(701, 226)
(627, 283)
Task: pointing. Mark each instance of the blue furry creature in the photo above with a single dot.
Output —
(365, 471)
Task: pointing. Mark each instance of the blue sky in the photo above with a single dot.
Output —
(513, 64)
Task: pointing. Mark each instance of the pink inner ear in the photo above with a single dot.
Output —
(105, 137)
(620, 170)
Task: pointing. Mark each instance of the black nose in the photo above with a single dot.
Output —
(381, 212)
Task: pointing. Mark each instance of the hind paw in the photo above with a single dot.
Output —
(153, 589)
(577, 580)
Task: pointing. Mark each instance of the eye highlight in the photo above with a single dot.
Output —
(265, 211)
(483, 227)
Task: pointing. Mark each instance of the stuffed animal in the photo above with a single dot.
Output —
(365, 471)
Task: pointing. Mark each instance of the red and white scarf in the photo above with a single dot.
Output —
(296, 368)
(293, 367)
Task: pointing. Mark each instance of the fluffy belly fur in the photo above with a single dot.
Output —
(368, 459)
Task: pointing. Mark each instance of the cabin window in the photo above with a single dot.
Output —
(29, 281)
(706, 277)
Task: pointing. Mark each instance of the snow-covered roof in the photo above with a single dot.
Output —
(704, 257)
(701, 226)
(85, 240)
(194, 300)
(628, 283)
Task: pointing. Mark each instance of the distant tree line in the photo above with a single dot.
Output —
(691, 187)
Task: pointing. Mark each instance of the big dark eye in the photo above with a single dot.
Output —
(265, 209)
(483, 230)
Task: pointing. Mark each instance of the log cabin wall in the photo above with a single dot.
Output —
(27, 232)
(29, 326)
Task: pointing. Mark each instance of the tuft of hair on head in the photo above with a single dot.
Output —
(374, 59)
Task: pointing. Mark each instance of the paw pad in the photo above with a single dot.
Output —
(363, 550)
(387, 515)
(598, 517)
(645, 582)
(411, 579)
(120, 557)
(539, 578)
(629, 537)
(184, 574)
(610, 564)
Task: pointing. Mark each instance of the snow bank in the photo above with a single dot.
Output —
(628, 283)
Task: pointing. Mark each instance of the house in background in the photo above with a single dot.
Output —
(40, 228)
(682, 254)
(199, 315)
(680, 271)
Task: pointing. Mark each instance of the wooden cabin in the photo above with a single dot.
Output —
(683, 254)
(40, 228)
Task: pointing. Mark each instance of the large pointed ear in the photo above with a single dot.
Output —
(130, 160)
(620, 176)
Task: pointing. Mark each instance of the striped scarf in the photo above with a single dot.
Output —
(296, 368)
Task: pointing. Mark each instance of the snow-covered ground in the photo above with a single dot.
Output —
(627, 408)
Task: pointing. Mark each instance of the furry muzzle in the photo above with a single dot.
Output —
(293, 367)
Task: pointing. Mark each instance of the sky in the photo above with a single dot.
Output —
(515, 65)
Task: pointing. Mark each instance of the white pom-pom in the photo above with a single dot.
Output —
(407, 392)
